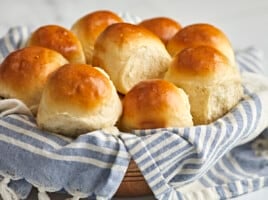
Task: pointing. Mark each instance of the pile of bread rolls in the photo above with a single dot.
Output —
(104, 72)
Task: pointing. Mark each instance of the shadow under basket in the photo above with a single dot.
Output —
(133, 183)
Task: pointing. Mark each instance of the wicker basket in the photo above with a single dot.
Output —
(133, 184)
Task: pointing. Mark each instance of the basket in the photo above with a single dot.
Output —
(133, 184)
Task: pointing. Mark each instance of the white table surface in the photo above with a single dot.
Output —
(245, 22)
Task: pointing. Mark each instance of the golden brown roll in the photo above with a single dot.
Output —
(59, 39)
(78, 98)
(201, 34)
(165, 28)
(206, 75)
(88, 28)
(155, 103)
(24, 72)
(129, 54)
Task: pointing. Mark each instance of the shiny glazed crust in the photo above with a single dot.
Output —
(89, 27)
(59, 39)
(165, 28)
(201, 34)
(78, 98)
(154, 104)
(24, 72)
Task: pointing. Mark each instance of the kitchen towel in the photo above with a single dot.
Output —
(225, 159)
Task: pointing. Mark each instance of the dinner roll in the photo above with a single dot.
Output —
(59, 39)
(129, 54)
(164, 27)
(88, 28)
(155, 103)
(24, 72)
(206, 75)
(78, 98)
(201, 34)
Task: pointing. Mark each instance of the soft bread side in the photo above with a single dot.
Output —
(130, 54)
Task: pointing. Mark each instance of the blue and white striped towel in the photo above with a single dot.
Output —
(220, 160)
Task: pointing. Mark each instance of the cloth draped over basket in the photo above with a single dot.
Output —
(224, 159)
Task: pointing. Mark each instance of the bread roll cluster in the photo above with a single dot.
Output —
(104, 72)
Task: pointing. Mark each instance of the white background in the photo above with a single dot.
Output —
(245, 22)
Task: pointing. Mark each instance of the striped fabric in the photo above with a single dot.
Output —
(172, 158)
(220, 160)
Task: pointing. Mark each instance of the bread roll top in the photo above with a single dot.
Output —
(155, 95)
(59, 39)
(24, 72)
(85, 87)
(201, 34)
(126, 34)
(23, 66)
(201, 65)
(92, 24)
(155, 103)
(165, 28)
(88, 28)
